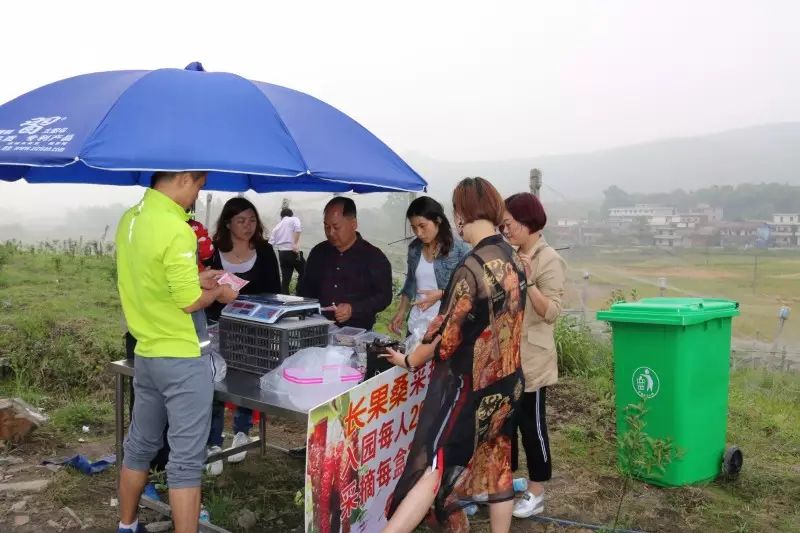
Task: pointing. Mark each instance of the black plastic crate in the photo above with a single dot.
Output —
(258, 348)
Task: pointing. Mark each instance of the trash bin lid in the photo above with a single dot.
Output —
(670, 311)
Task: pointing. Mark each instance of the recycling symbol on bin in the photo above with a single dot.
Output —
(645, 382)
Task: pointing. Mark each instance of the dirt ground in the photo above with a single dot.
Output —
(72, 501)
(586, 487)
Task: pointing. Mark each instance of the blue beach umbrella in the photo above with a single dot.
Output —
(117, 128)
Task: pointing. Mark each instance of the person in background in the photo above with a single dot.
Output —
(285, 237)
(461, 450)
(160, 287)
(205, 246)
(546, 273)
(345, 273)
(241, 250)
(432, 257)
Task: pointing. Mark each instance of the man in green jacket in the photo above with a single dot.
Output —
(160, 288)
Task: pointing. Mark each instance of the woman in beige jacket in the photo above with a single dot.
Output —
(546, 273)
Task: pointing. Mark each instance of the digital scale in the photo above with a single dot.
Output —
(270, 308)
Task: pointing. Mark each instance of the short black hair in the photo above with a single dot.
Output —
(286, 212)
(161, 175)
(347, 204)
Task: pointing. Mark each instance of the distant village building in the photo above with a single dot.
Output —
(785, 229)
(568, 222)
(627, 215)
(739, 234)
(668, 227)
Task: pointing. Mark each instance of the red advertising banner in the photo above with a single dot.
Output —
(357, 447)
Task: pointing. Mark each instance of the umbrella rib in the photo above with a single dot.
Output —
(225, 171)
(41, 165)
(367, 184)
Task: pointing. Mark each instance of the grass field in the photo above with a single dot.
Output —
(60, 323)
(761, 283)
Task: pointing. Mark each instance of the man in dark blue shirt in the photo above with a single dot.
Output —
(345, 272)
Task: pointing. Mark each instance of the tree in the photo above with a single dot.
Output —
(396, 204)
(616, 197)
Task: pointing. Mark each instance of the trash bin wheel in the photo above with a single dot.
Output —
(732, 461)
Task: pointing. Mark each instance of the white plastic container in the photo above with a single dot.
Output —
(308, 389)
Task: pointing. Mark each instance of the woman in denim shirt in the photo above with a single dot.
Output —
(432, 258)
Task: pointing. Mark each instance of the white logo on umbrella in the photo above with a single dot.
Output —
(35, 125)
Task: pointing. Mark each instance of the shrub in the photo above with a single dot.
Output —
(95, 414)
(59, 357)
(580, 352)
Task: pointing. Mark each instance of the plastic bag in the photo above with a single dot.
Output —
(219, 368)
(418, 323)
(330, 363)
(213, 336)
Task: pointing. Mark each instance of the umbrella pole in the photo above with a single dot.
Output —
(209, 196)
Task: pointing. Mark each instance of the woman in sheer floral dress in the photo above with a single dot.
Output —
(462, 447)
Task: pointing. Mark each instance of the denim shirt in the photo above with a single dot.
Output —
(443, 266)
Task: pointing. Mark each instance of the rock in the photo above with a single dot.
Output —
(14, 469)
(55, 525)
(19, 506)
(69, 512)
(18, 419)
(247, 519)
(158, 527)
(21, 520)
(10, 460)
(36, 485)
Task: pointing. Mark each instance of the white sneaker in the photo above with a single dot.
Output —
(528, 505)
(239, 440)
(215, 468)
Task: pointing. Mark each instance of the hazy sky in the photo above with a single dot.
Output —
(452, 80)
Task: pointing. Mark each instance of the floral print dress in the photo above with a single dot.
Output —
(467, 421)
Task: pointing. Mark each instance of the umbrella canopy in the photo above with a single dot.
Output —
(117, 128)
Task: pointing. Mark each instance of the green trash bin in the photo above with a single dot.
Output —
(674, 353)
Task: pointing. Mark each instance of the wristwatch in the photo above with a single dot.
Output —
(408, 365)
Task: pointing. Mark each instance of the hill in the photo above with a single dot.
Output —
(766, 153)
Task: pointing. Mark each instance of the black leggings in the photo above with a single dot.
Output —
(532, 426)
